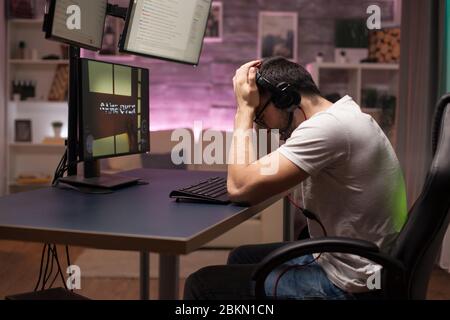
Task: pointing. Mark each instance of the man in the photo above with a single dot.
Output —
(351, 180)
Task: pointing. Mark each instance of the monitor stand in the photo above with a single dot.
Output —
(93, 179)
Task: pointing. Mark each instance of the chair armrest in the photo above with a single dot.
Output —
(393, 270)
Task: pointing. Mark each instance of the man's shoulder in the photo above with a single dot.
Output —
(326, 121)
(324, 129)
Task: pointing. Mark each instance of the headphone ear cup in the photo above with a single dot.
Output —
(281, 101)
(284, 96)
(288, 99)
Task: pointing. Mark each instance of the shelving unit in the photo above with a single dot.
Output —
(353, 78)
(28, 62)
(38, 22)
(34, 157)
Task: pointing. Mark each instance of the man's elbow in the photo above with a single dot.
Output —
(240, 195)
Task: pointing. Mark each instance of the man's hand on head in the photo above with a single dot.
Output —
(249, 181)
(245, 89)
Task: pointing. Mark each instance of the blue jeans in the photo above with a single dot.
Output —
(233, 281)
(302, 278)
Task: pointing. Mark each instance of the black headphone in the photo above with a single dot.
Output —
(284, 96)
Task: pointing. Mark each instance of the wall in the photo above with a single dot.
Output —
(181, 94)
(2, 99)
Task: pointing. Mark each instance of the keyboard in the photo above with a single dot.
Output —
(212, 190)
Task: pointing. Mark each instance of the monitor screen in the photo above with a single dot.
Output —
(114, 110)
(77, 22)
(170, 30)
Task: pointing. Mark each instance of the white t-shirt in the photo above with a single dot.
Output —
(355, 185)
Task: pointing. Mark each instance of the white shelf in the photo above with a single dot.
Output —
(355, 66)
(38, 62)
(356, 73)
(32, 157)
(380, 66)
(26, 21)
(36, 146)
(39, 103)
(353, 78)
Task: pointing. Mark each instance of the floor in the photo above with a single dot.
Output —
(19, 268)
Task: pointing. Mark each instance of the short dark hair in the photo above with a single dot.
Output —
(279, 69)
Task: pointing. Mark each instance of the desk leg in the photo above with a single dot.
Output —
(288, 221)
(144, 275)
(169, 268)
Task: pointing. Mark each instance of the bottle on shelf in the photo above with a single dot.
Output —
(22, 50)
(23, 89)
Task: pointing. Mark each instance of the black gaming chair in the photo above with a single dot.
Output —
(407, 267)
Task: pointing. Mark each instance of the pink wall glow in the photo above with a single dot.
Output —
(181, 94)
(181, 104)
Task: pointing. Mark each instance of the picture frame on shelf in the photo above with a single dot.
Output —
(22, 130)
(351, 38)
(277, 34)
(214, 26)
(21, 9)
(391, 12)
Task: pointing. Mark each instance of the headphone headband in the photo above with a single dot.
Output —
(284, 96)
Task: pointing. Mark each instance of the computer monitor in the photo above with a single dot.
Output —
(169, 30)
(114, 110)
(76, 22)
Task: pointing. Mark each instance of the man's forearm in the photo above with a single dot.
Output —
(241, 152)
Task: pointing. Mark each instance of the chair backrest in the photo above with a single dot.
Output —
(419, 241)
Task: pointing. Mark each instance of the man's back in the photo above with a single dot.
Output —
(355, 186)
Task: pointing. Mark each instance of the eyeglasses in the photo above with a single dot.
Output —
(258, 117)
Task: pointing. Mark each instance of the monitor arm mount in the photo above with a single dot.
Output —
(116, 11)
(91, 168)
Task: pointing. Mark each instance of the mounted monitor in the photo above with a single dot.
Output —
(76, 22)
(113, 120)
(169, 30)
(114, 102)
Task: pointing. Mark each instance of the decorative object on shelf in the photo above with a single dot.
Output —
(319, 57)
(60, 85)
(34, 54)
(370, 104)
(384, 45)
(22, 50)
(23, 131)
(351, 36)
(16, 90)
(214, 26)
(342, 58)
(381, 106)
(369, 98)
(277, 34)
(57, 126)
(21, 9)
(23, 90)
(388, 103)
(391, 14)
(51, 57)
